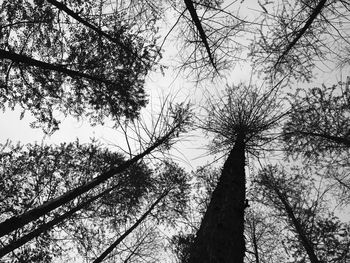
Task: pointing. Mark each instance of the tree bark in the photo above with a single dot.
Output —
(255, 244)
(220, 237)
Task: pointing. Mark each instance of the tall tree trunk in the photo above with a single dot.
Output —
(135, 225)
(220, 237)
(305, 241)
(198, 24)
(47, 226)
(315, 12)
(16, 222)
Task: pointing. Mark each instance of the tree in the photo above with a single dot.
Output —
(240, 120)
(297, 37)
(85, 192)
(263, 236)
(318, 130)
(299, 203)
(57, 170)
(33, 174)
(285, 195)
(318, 121)
(87, 61)
(207, 33)
(194, 16)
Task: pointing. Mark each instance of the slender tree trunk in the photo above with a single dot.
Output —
(23, 59)
(317, 10)
(305, 241)
(255, 244)
(198, 24)
(220, 237)
(136, 224)
(47, 226)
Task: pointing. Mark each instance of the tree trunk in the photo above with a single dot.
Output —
(77, 17)
(255, 243)
(16, 222)
(47, 226)
(317, 10)
(305, 241)
(136, 224)
(198, 24)
(23, 59)
(220, 237)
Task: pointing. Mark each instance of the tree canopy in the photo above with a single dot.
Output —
(242, 80)
(88, 61)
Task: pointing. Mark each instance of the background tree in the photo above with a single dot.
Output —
(33, 174)
(295, 38)
(264, 243)
(317, 130)
(300, 204)
(210, 38)
(174, 124)
(91, 227)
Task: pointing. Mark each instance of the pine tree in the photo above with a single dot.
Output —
(240, 122)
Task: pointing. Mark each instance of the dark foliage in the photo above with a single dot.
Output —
(318, 123)
(34, 174)
(114, 72)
